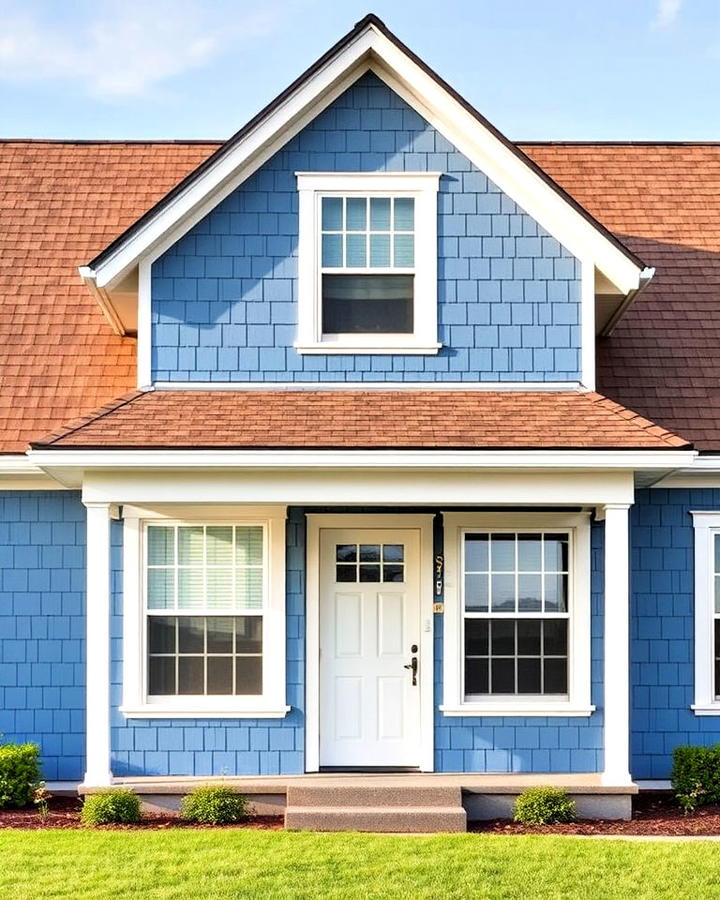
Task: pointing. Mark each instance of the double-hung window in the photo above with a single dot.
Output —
(368, 263)
(517, 614)
(205, 635)
(707, 613)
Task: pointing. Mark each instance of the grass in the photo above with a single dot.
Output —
(255, 864)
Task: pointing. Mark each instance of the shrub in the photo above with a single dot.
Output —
(114, 806)
(544, 806)
(696, 776)
(214, 805)
(19, 773)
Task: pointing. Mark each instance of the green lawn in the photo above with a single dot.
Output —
(215, 864)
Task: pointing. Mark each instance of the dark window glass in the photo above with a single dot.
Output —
(220, 634)
(503, 676)
(528, 672)
(161, 634)
(220, 675)
(367, 304)
(369, 552)
(476, 637)
(191, 675)
(528, 636)
(476, 676)
(503, 637)
(248, 631)
(369, 572)
(555, 676)
(393, 552)
(248, 674)
(162, 675)
(555, 637)
(346, 573)
(346, 553)
(393, 573)
(191, 634)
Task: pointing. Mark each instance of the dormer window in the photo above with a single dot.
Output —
(368, 263)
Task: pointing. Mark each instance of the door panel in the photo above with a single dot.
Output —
(369, 620)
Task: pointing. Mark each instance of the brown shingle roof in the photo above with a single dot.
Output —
(62, 202)
(374, 419)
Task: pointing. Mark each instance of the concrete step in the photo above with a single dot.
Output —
(406, 819)
(361, 795)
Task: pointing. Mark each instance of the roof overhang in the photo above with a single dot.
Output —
(370, 46)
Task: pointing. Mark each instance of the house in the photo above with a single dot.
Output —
(364, 441)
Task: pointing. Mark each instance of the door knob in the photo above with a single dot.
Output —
(413, 666)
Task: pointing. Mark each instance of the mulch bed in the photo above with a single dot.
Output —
(64, 812)
(653, 814)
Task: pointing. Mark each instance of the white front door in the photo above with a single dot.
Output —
(369, 634)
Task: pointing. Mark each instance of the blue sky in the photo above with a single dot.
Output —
(538, 69)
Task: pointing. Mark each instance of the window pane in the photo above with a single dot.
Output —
(528, 673)
(220, 634)
(393, 573)
(161, 675)
(191, 545)
(356, 213)
(393, 552)
(249, 588)
(717, 657)
(219, 545)
(476, 593)
(555, 637)
(404, 213)
(503, 593)
(191, 589)
(380, 214)
(248, 634)
(367, 304)
(404, 250)
(332, 250)
(476, 637)
(529, 552)
(161, 545)
(476, 553)
(248, 675)
(379, 250)
(476, 676)
(249, 545)
(529, 593)
(528, 637)
(220, 588)
(556, 553)
(502, 553)
(332, 213)
(161, 634)
(346, 573)
(503, 676)
(161, 588)
(717, 593)
(191, 634)
(369, 572)
(556, 593)
(355, 250)
(346, 552)
(502, 637)
(191, 675)
(555, 676)
(369, 552)
(220, 675)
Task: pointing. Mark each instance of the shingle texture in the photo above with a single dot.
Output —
(374, 419)
(663, 202)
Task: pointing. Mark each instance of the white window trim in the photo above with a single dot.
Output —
(579, 645)
(706, 524)
(423, 187)
(135, 702)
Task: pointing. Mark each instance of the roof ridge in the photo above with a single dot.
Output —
(92, 416)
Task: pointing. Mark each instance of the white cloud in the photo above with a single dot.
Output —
(667, 12)
(124, 48)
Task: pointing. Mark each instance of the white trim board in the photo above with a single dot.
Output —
(359, 386)
(316, 522)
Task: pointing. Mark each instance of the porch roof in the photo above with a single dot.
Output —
(354, 418)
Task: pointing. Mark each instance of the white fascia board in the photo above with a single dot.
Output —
(360, 386)
(702, 472)
(18, 473)
(353, 459)
(371, 50)
(103, 299)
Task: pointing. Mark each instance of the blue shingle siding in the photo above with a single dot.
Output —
(42, 627)
(216, 746)
(225, 295)
(662, 629)
(530, 744)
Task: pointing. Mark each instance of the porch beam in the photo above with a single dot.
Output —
(617, 646)
(97, 652)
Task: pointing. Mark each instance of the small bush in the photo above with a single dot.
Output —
(544, 806)
(696, 776)
(115, 806)
(19, 773)
(214, 805)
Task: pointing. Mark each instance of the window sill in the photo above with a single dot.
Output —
(149, 711)
(381, 349)
(545, 710)
(706, 709)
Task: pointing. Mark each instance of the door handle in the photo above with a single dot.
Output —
(413, 666)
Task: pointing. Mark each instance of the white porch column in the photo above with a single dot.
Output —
(97, 651)
(617, 646)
